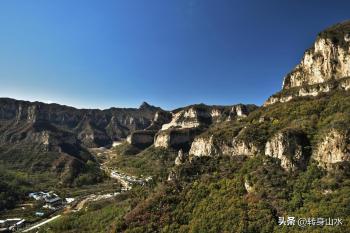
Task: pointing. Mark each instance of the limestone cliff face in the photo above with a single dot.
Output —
(290, 147)
(333, 148)
(324, 67)
(141, 138)
(329, 58)
(175, 138)
(240, 147)
(92, 127)
(54, 137)
(203, 115)
(181, 158)
(204, 147)
(189, 118)
(160, 118)
(193, 120)
(210, 146)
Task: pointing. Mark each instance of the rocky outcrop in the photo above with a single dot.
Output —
(240, 146)
(181, 158)
(196, 119)
(175, 138)
(309, 91)
(333, 148)
(248, 186)
(203, 115)
(93, 127)
(328, 59)
(202, 146)
(323, 68)
(141, 138)
(160, 118)
(52, 137)
(189, 118)
(209, 146)
(290, 147)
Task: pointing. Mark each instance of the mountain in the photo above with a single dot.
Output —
(289, 157)
(66, 133)
(238, 168)
(323, 68)
(52, 137)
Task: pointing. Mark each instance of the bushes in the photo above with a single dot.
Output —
(13, 187)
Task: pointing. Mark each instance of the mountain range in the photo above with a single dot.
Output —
(300, 134)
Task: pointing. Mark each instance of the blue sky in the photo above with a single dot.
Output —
(99, 54)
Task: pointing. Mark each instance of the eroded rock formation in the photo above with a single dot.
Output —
(323, 68)
(291, 147)
(333, 148)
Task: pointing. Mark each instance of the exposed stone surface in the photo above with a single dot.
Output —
(93, 127)
(328, 59)
(175, 138)
(333, 148)
(189, 118)
(54, 137)
(195, 119)
(248, 187)
(310, 90)
(290, 147)
(324, 67)
(208, 146)
(181, 157)
(160, 118)
(203, 147)
(240, 147)
(203, 115)
(141, 138)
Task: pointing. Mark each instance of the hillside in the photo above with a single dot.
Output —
(238, 168)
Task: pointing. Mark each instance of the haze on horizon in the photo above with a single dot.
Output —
(95, 54)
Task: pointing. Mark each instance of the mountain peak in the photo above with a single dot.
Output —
(146, 105)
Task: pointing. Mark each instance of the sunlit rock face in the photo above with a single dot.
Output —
(323, 68)
(141, 138)
(190, 121)
(213, 146)
(181, 158)
(333, 148)
(329, 58)
(291, 148)
(189, 118)
(175, 138)
(204, 147)
(203, 115)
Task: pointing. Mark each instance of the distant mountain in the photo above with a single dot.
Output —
(29, 130)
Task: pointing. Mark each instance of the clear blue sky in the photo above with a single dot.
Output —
(169, 53)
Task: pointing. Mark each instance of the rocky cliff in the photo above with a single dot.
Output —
(92, 127)
(324, 67)
(216, 146)
(291, 147)
(55, 137)
(190, 121)
(333, 148)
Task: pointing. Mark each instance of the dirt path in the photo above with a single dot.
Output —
(42, 223)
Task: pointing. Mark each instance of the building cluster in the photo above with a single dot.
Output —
(13, 224)
(51, 199)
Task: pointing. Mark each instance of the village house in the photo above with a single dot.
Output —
(11, 224)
